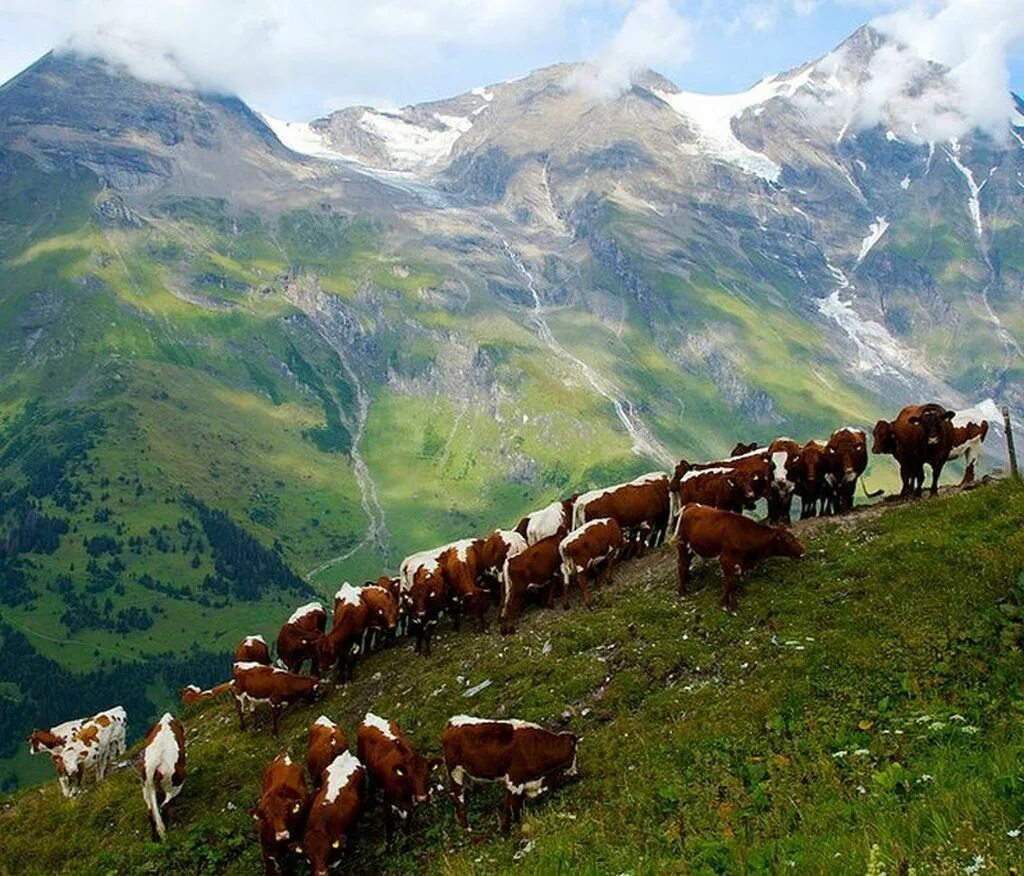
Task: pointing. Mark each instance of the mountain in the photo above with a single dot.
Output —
(863, 706)
(243, 359)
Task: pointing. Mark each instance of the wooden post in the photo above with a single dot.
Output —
(1010, 451)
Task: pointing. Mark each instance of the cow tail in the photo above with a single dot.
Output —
(578, 512)
(150, 795)
(506, 587)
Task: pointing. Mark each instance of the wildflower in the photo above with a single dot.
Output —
(861, 752)
(936, 725)
(1013, 834)
(960, 719)
(841, 753)
(970, 729)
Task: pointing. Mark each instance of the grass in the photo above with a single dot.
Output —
(868, 694)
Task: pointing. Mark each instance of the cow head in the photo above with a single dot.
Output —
(885, 438)
(382, 608)
(43, 739)
(407, 777)
(762, 473)
(848, 454)
(281, 814)
(784, 543)
(742, 448)
(682, 467)
(426, 596)
(325, 653)
(934, 421)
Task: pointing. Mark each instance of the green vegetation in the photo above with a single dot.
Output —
(868, 695)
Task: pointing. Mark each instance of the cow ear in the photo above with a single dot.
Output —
(949, 415)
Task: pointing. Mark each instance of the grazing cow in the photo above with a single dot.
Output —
(163, 770)
(920, 434)
(91, 749)
(787, 471)
(402, 775)
(725, 488)
(326, 741)
(458, 563)
(551, 520)
(425, 599)
(847, 452)
(646, 500)
(737, 541)
(281, 812)
(253, 649)
(492, 552)
(969, 430)
(256, 684)
(300, 638)
(394, 587)
(191, 693)
(333, 814)
(525, 756)
(357, 612)
(595, 542)
(536, 568)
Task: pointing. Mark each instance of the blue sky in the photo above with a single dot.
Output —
(302, 58)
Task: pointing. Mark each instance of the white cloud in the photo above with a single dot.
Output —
(653, 34)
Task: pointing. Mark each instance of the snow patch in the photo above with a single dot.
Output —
(973, 200)
(876, 230)
(905, 183)
(303, 139)
(878, 352)
(481, 91)
(411, 146)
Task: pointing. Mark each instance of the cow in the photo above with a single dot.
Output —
(326, 741)
(812, 487)
(91, 749)
(725, 488)
(594, 543)
(847, 454)
(494, 550)
(550, 520)
(646, 500)
(969, 431)
(787, 472)
(525, 756)
(402, 775)
(755, 464)
(256, 684)
(300, 638)
(357, 612)
(54, 739)
(425, 597)
(536, 568)
(458, 563)
(191, 693)
(281, 812)
(920, 434)
(253, 649)
(392, 585)
(333, 814)
(162, 767)
(737, 541)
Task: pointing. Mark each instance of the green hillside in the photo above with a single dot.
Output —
(867, 695)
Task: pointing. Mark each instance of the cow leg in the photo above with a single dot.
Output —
(683, 565)
(427, 635)
(608, 569)
(238, 706)
(731, 570)
(389, 823)
(457, 790)
(516, 812)
(582, 580)
(506, 811)
(275, 711)
(566, 584)
(936, 471)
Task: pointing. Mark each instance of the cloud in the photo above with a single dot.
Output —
(653, 34)
(275, 49)
(943, 73)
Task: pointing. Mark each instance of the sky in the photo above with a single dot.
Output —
(299, 59)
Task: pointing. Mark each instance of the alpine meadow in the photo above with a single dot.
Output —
(245, 361)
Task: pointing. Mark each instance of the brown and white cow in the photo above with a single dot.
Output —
(595, 543)
(326, 741)
(737, 541)
(424, 596)
(644, 501)
(300, 638)
(537, 568)
(281, 813)
(787, 472)
(333, 814)
(256, 684)
(969, 430)
(358, 611)
(755, 464)
(191, 693)
(459, 568)
(847, 454)
(97, 743)
(726, 488)
(920, 434)
(552, 519)
(253, 649)
(492, 552)
(527, 758)
(402, 775)
(54, 739)
(162, 766)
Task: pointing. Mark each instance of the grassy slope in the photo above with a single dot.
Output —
(870, 693)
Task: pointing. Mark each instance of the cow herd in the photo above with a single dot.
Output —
(563, 545)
